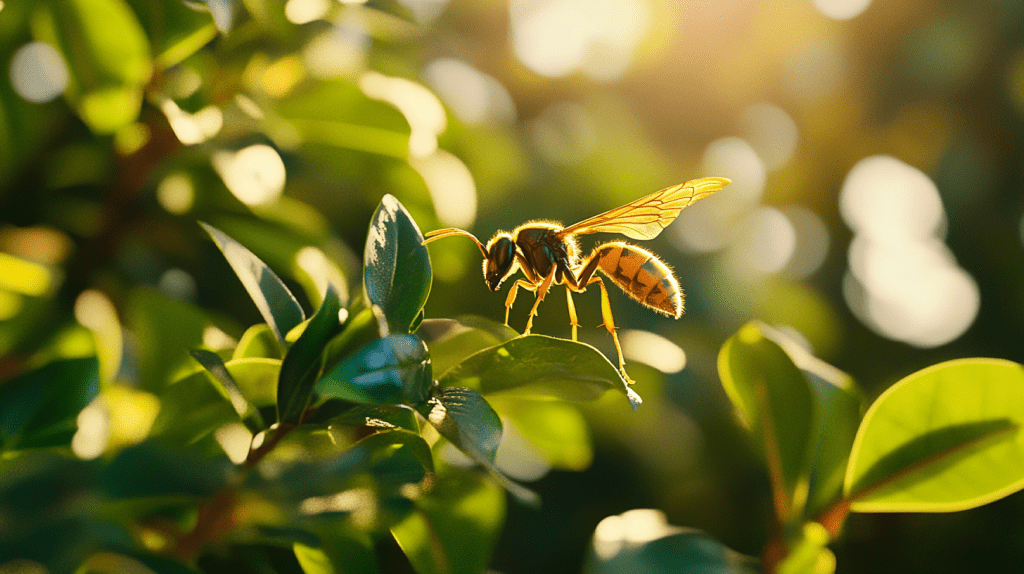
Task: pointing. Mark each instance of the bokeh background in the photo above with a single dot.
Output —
(875, 213)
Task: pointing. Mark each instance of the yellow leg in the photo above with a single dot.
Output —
(609, 324)
(572, 311)
(542, 291)
(513, 292)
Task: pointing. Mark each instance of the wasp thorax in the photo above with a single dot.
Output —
(501, 254)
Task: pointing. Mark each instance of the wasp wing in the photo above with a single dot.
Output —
(645, 218)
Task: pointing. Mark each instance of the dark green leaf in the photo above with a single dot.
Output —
(391, 370)
(540, 366)
(165, 331)
(337, 411)
(39, 409)
(839, 407)
(303, 361)
(434, 537)
(396, 274)
(775, 401)
(466, 419)
(276, 303)
(156, 469)
(215, 365)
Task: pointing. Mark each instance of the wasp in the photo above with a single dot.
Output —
(548, 253)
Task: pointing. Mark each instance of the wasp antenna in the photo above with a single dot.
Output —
(450, 232)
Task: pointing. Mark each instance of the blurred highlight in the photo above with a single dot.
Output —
(255, 175)
(421, 108)
(38, 72)
(903, 281)
(652, 349)
(629, 530)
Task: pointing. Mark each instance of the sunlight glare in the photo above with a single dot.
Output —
(518, 457)
(421, 108)
(175, 193)
(255, 175)
(451, 187)
(473, 96)
(630, 529)
(339, 52)
(597, 37)
(196, 128)
(305, 11)
(652, 349)
(235, 439)
(38, 72)
(90, 440)
(842, 9)
(903, 281)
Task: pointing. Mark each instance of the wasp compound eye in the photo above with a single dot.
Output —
(500, 258)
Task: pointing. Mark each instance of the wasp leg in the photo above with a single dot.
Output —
(512, 296)
(572, 311)
(542, 291)
(609, 324)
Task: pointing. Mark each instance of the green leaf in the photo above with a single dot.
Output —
(276, 303)
(166, 330)
(540, 366)
(175, 30)
(808, 554)
(839, 405)
(775, 401)
(556, 429)
(391, 370)
(303, 361)
(191, 409)
(156, 469)
(466, 419)
(256, 379)
(435, 538)
(943, 439)
(396, 274)
(640, 541)
(40, 408)
(215, 366)
(340, 412)
(108, 58)
(258, 341)
(312, 560)
(450, 340)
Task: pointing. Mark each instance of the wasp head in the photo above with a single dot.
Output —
(500, 261)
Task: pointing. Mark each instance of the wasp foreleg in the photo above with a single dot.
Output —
(512, 295)
(572, 311)
(542, 291)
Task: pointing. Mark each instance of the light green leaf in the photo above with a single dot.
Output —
(108, 58)
(775, 402)
(302, 363)
(540, 366)
(175, 30)
(943, 439)
(258, 341)
(454, 527)
(312, 560)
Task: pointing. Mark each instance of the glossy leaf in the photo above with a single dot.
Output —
(40, 408)
(108, 58)
(396, 267)
(466, 419)
(774, 399)
(215, 366)
(945, 438)
(275, 302)
(256, 379)
(337, 411)
(391, 370)
(436, 537)
(301, 365)
(540, 366)
(258, 341)
(450, 340)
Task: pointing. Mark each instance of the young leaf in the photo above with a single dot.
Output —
(176, 30)
(215, 365)
(396, 274)
(466, 419)
(452, 340)
(312, 560)
(943, 439)
(775, 401)
(258, 341)
(434, 537)
(391, 370)
(303, 361)
(276, 303)
(539, 366)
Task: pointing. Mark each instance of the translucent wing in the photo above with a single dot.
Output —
(646, 217)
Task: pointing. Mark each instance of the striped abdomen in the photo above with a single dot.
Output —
(640, 274)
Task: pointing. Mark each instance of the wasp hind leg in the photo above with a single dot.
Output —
(609, 324)
(542, 291)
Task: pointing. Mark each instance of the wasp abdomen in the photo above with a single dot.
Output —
(641, 275)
